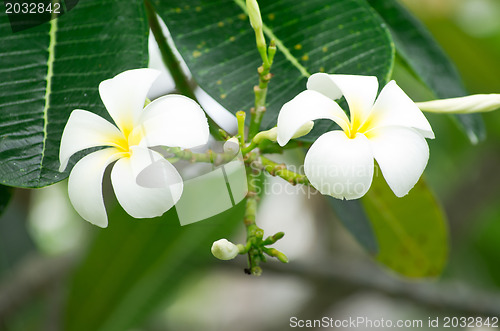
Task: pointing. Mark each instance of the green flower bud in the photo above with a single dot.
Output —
(254, 14)
(256, 23)
(272, 134)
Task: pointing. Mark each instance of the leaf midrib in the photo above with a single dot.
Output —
(48, 90)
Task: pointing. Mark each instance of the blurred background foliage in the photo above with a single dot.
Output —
(42, 240)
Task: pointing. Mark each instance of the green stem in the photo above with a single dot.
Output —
(252, 197)
(254, 233)
(249, 148)
(280, 170)
(240, 117)
(209, 156)
(274, 238)
(260, 91)
(275, 253)
(261, 46)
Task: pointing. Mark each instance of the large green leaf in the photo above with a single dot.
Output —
(215, 39)
(427, 60)
(51, 69)
(134, 265)
(411, 231)
(354, 218)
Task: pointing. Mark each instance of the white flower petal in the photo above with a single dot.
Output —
(305, 107)
(124, 95)
(175, 121)
(84, 130)
(359, 91)
(85, 185)
(338, 166)
(145, 202)
(402, 154)
(394, 107)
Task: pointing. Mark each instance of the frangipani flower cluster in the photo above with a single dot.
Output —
(172, 120)
(390, 130)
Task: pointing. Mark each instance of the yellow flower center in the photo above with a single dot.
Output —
(356, 126)
(128, 139)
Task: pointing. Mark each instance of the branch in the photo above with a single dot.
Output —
(456, 296)
(167, 54)
(37, 273)
(280, 170)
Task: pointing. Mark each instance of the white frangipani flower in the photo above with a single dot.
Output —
(391, 130)
(223, 249)
(172, 120)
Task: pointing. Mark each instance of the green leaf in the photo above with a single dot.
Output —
(51, 69)
(135, 265)
(484, 241)
(411, 231)
(353, 217)
(215, 39)
(5, 195)
(416, 46)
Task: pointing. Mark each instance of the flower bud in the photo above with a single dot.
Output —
(256, 23)
(272, 134)
(224, 249)
(254, 14)
(232, 146)
(470, 104)
(303, 130)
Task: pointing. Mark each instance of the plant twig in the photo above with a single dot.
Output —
(260, 92)
(254, 233)
(208, 157)
(169, 59)
(280, 170)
